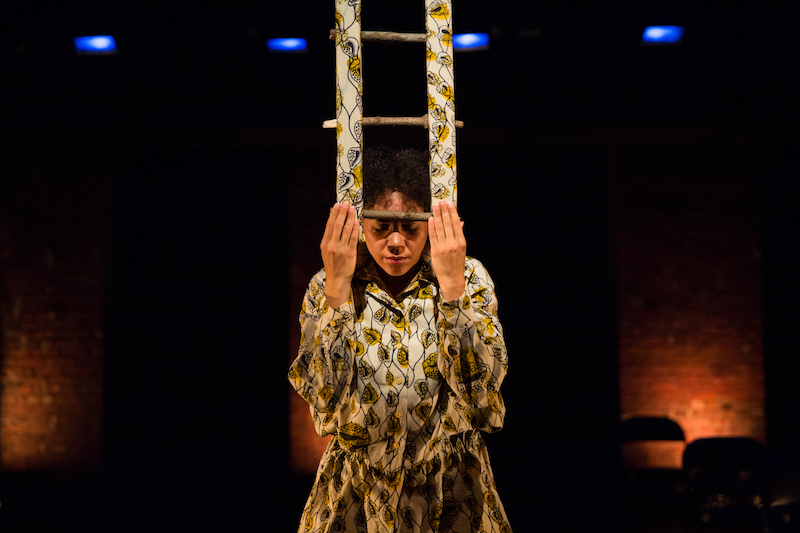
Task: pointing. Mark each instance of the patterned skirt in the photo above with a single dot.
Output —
(452, 491)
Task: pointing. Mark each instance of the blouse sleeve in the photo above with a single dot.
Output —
(322, 373)
(472, 352)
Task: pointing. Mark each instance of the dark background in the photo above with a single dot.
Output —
(550, 63)
(208, 132)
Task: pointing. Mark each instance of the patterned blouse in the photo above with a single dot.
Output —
(403, 383)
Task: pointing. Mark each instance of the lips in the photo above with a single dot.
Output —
(395, 259)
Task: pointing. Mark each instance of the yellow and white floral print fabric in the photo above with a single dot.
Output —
(441, 99)
(405, 386)
(349, 103)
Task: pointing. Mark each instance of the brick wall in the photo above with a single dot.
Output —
(685, 229)
(54, 224)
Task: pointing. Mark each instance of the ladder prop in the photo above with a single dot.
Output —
(440, 118)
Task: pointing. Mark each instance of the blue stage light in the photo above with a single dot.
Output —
(96, 44)
(662, 34)
(291, 44)
(471, 41)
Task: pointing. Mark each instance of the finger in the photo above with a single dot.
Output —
(446, 223)
(341, 220)
(448, 217)
(436, 220)
(326, 236)
(457, 224)
(350, 228)
(356, 231)
(444, 218)
(432, 236)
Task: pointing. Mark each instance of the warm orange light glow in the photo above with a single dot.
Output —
(306, 446)
(689, 291)
(695, 388)
(653, 454)
(50, 411)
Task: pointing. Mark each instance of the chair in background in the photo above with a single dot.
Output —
(651, 457)
(722, 478)
(779, 487)
(651, 442)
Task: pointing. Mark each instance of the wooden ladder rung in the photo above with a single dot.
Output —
(389, 36)
(390, 121)
(396, 215)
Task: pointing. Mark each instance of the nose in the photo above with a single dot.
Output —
(395, 240)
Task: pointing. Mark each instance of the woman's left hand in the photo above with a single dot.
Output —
(448, 249)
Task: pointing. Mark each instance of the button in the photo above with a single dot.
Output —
(398, 381)
(396, 445)
(397, 414)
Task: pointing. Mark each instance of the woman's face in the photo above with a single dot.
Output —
(395, 245)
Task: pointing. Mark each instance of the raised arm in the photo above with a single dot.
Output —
(472, 351)
(322, 373)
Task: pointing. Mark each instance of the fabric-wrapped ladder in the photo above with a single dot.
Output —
(440, 119)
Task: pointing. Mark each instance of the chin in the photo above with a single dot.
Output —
(396, 273)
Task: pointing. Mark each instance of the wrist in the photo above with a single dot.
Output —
(452, 291)
(337, 292)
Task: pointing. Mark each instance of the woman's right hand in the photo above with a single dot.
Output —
(339, 252)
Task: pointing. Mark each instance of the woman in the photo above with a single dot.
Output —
(401, 360)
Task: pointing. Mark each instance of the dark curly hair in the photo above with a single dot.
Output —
(403, 170)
